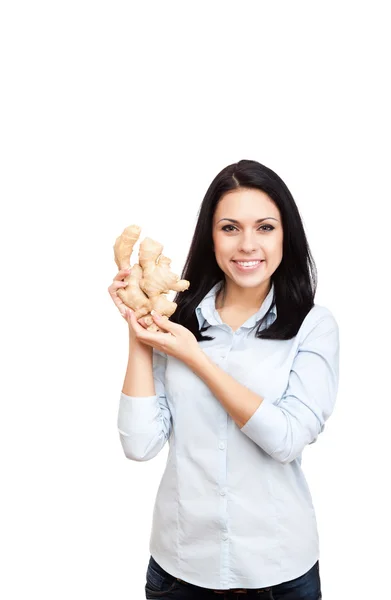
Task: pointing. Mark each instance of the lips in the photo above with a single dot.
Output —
(251, 267)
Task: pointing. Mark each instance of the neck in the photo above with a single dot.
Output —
(242, 298)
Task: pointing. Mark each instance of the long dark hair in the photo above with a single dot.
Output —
(294, 280)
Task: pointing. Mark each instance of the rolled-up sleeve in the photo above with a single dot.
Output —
(144, 423)
(283, 427)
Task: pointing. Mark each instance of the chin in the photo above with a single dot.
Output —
(248, 283)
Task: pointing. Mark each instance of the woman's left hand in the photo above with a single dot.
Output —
(176, 340)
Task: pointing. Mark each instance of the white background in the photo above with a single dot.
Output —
(121, 112)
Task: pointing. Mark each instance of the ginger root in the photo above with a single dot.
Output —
(124, 245)
(149, 280)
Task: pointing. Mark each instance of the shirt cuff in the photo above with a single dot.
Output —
(137, 413)
(265, 426)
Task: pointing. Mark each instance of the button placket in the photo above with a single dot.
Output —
(221, 493)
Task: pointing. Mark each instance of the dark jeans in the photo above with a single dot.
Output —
(161, 584)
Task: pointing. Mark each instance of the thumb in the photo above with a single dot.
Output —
(163, 322)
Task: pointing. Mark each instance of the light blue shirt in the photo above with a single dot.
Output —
(233, 508)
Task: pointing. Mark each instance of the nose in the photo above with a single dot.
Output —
(248, 243)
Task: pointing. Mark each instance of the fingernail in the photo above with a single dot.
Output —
(155, 314)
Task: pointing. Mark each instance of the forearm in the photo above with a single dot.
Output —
(282, 431)
(239, 402)
(139, 372)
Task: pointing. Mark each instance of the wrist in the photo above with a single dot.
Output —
(197, 361)
(138, 346)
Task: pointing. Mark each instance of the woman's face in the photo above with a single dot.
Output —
(247, 227)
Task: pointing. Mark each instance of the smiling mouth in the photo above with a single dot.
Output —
(246, 262)
(247, 265)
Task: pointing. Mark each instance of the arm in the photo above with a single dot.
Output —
(284, 426)
(139, 373)
(144, 418)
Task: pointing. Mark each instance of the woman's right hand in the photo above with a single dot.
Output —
(118, 282)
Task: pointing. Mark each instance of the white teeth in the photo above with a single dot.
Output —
(249, 264)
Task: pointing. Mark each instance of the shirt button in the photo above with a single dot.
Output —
(221, 445)
(222, 493)
(224, 536)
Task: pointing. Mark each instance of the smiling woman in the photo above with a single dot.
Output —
(249, 213)
(238, 406)
(246, 247)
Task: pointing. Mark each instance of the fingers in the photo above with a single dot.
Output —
(122, 274)
(142, 322)
(162, 321)
(115, 286)
(118, 281)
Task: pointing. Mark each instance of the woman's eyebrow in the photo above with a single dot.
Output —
(238, 222)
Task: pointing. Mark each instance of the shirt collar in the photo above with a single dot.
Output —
(206, 310)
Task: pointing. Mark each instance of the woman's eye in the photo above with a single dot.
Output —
(270, 228)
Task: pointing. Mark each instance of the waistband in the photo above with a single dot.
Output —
(233, 590)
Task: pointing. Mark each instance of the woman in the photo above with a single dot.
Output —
(241, 378)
